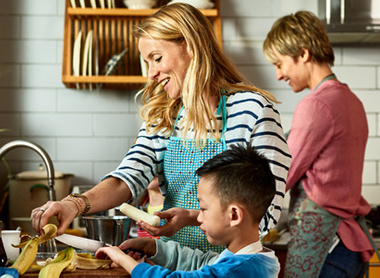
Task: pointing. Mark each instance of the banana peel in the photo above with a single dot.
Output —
(34, 267)
(87, 261)
(54, 269)
(66, 260)
(50, 231)
(30, 248)
(27, 256)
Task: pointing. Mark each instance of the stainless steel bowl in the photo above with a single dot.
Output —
(109, 229)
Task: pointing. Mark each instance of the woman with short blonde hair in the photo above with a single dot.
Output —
(327, 141)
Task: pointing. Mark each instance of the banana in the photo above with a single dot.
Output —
(87, 261)
(138, 214)
(63, 259)
(27, 256)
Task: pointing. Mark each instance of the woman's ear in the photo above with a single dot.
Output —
(305, 56)
(236, 214)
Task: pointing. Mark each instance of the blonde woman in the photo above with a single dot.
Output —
(196, 104)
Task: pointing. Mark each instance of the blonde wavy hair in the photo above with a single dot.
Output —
(292, 33)
(209, 72)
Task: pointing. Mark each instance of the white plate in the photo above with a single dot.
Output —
(76, 54)
(73, 4)
(102, 4)
(82, 4)
(86, 53)
(93, 4)
(90, 65)
(97, 56)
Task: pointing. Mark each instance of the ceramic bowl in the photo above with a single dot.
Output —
(139, 4)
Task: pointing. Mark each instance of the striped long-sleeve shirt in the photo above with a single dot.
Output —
(250, 118)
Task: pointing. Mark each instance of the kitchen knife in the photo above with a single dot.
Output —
(89, 245)
(86, 244)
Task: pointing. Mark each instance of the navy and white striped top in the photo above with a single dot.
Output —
(250, 118)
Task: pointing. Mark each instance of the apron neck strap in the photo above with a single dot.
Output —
(176, 120)
(329, 77)
(220, 110)
(223, 110)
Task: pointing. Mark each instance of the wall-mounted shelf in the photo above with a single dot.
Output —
(111, 33)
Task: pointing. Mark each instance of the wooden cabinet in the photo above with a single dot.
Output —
(374, 267)
(110, 32)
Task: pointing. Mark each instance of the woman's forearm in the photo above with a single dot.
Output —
(108, 194)
(192, 216)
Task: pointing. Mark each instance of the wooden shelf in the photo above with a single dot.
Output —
(105, 79)
(125, 12)
(112, 31)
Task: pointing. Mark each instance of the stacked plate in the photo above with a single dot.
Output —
(103, 4)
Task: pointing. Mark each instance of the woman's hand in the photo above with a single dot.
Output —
(176, 218)
(107, 194)
(65, 212)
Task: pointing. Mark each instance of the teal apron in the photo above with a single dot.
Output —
(180, 163)
(312, 230)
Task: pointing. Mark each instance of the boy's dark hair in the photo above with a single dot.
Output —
(242, 175)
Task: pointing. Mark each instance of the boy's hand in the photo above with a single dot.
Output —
(146, 245)
(118, 257)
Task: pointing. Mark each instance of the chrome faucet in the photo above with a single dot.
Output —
(45, 157)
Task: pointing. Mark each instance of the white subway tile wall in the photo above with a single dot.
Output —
(78, 127)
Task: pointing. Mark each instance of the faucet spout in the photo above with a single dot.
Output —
(43, 154)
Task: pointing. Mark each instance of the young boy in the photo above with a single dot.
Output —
(234, 192)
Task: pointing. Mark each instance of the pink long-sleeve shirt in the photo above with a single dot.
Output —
(327, 142)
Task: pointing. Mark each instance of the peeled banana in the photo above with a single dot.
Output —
(63, 260)
(27, 256)
(138, 214)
